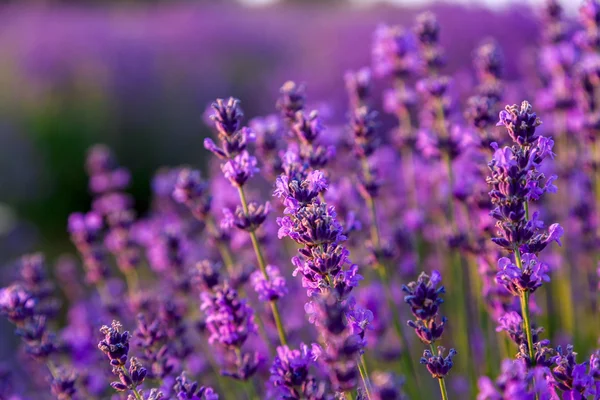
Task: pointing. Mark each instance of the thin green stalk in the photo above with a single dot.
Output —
(441, 381)
(51, 368)
(525, 311)
(263, 268)
(443, 390)
(362, 368)
(383, 276)
(131, 278)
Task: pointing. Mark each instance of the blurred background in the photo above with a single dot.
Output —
(138, 75)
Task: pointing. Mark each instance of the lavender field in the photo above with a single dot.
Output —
(299, 201)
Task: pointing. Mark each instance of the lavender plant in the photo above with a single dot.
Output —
(221, 306)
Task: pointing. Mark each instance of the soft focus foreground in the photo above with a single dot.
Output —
(384, 226)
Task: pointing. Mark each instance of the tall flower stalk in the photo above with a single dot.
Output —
(326, 271)
(365, 141)
(238, 167)
(516, 180)
(424, 298)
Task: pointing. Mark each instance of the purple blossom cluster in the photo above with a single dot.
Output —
(228, 295)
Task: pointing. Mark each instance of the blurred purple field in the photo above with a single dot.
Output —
(353, 215)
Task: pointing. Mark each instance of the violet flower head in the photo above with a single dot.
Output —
(314, 225)
(328, 314)
(521, 123)
(247, 220)
(570, 377)
(115, 344)
(63, 385)
(515, 381)
(290, 372)
(187, 390)
(489, 60)
(515, 179)
(227, 116)
(307, 128)
(358, 85)
(240, 168)
(191, 190)
(363, 125)
(229, 319)
(16, 303)
(387, 386)
(206, 275)
(512, 323)
(521, 280)
(298, 190)
(269, 288)
(423, 295)
(291, 100)
(135, 376)
(479, 112)
(427, 31)
(394, 52)
(438, 365)
(105, 174)
(589, 13)
(424, 298)
(427, 28)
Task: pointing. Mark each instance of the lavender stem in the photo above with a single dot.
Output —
(263, 268)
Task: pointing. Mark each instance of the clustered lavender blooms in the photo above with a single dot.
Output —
(207, 289)
(423, 297)
(517, 182)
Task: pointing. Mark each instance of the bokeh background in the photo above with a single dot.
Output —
(138, 75)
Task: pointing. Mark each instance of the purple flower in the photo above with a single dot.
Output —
(187, 390)
(16, 303)
(249, 220)
(63, 384)
(290, 371)
(239, 169)
(521, 123)
(489, 60)
(520, 280)
(307, 128)
(358, 85)
(291, 99)
(363, 124)
(387, 386)
(227, 116)
(515, 382)
(512, 323)
(438, 365)
(229, 319)
(189, 186)
(269, 288)
(570, 377)
(132, 379)
(298, 190)
(423, 295)
(115, 344)
(314, 225)
(394, 52)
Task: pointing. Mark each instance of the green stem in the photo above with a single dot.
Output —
(364, 374)
(525, 311)
(443, 390)
(383, 276)
(263, 268)
(441, 381)
(131, 277)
